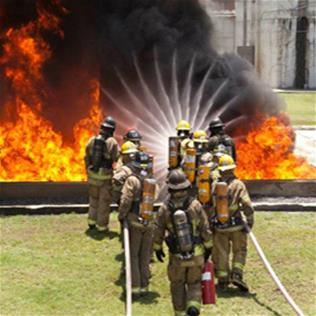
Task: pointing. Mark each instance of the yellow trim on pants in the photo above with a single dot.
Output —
(195, 304)
(156, 247)
(222, 274)
(135, 290)
(238, 265)
(91, 221)
(101, 228)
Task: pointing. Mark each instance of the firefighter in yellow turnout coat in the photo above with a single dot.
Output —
(189, 241)
(228, 225)
(101, 153)
(140, 227)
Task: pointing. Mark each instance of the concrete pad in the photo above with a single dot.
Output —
(305, 144)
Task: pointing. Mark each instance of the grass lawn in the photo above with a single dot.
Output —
(301, 107)
(51, 266)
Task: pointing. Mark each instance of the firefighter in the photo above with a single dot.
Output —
(135, 137)
(128, 151)
(196, 160)
(101, 154)
(230, 199)
(184, 134)
(139, 220)
(178, 144)
(183, 224)
(195, 149)
(200, 141)
(219, 141)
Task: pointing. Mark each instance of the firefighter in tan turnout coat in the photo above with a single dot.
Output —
(230, 199)
(183, 224)
(128, 151)
(136, 206)
(101, 153)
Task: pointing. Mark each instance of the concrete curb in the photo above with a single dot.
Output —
(55, 209)
(77, 192)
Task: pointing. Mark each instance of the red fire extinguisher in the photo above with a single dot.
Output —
(208, 284)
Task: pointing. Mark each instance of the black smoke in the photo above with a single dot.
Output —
(137, 27)
(102, 38)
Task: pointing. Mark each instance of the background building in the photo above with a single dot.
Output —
(277, 36)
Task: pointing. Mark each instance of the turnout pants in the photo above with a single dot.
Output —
(140, 249)
(223, 242)
(99, 204)
(185, 285)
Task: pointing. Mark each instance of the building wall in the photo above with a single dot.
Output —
(311, 51)
(270, 27)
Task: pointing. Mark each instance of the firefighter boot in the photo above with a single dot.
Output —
(193, 311)
(144, 291)
(238, 281)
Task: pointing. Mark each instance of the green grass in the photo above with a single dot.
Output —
(50, 266)
(301, 107)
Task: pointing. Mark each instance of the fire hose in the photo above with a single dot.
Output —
(128, 278)
(272, 273)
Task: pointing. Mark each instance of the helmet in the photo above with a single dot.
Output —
(177, 180)
(217, 122)
(128, 148)
(109, 122)
(226, 162)
(207, 158)
(141, 160)
(200, 136)
(133, 135)
(183, 126)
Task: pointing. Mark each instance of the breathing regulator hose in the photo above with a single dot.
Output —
(272, 273)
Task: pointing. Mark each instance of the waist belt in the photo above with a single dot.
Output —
(232, 222)
(171, 242)
(102, 174)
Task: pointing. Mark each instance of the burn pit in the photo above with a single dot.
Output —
(47, 115)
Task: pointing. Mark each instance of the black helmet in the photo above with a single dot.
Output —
(216, 123)
(108, 123)
(133, 135)
(141, 160)
(177, 180)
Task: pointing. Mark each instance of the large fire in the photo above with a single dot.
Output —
(30, 147)
(32, 150)
(267, 153)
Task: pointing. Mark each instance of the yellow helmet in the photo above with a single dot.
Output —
(128, 148)
(226, 162)
(200, 136)
(183, 126)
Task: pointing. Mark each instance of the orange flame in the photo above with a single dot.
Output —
(267, 153)
(30, 148)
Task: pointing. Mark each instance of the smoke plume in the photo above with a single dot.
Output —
(104, 38)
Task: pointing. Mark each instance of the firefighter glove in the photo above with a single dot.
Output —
(247, 226)
(160, 255)
(207, 253)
